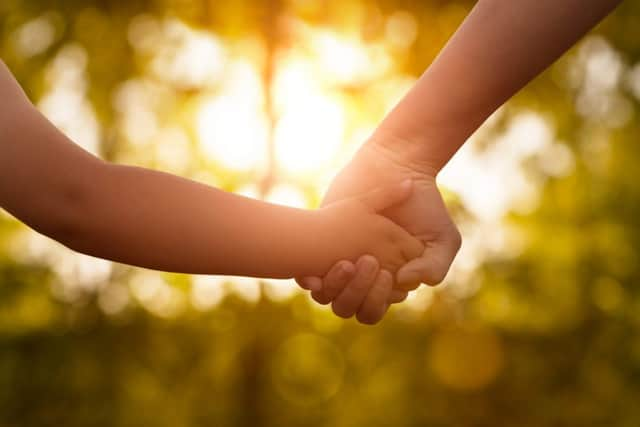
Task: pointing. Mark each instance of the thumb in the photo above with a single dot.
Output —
(432, 267)
(388, 196)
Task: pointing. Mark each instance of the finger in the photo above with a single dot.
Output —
(337, 278)
(397, 295)
(375, 304)
(432, 267)
(351, 298)
(309, 283)
(320, 297)
(410, 246)
(407, 286)
(388, 196)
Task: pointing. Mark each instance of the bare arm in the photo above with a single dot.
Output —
(499, 48)
(160, 221)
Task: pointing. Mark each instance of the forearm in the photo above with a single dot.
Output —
(143, 217)
(499, 48)
(160, 221)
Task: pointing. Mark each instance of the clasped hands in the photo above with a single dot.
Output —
(365, 289)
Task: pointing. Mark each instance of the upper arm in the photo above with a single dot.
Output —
(13, 111)
(43, 175)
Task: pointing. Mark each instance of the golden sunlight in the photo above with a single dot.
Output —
(232, 134)
(309, 135)
(301, 121)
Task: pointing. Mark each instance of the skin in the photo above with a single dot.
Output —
(497, 50)
(452, 103)
(159, 221)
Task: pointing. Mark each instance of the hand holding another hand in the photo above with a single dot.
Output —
(363, 289)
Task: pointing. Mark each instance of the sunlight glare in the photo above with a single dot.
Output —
(156, 295)
(401, 29)
(309, 136)
(343, 60)
(293, 81)
(172, 150)
(135, 101)
(66, 104)
(232, 134)
(114, 298)
(207, 291)
(35, 36)
(281, 290)
(243, 81)
(491, 182)
(246, 288)
(186, 57)
(287, 195)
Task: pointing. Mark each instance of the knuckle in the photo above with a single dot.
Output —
(364, 278)
(334, 279)
(385, 276)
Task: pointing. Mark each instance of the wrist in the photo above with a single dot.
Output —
(321, 249)
(409, 154)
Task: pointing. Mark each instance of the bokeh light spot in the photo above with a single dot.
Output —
(287, 195)
(401, 29)
(35, 36)
(466, 358)
(207, 291)
(232, 134)
(307, 370)
(308, 137)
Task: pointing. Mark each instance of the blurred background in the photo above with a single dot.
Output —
(538, 322)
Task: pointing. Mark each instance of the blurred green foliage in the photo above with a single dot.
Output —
(549, 337)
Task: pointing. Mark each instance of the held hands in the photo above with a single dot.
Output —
(349, 287)
(355, 226)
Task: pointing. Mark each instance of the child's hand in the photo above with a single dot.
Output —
(353, 227)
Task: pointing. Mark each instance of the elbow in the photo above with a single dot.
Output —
(67, 225)
(70, 221)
